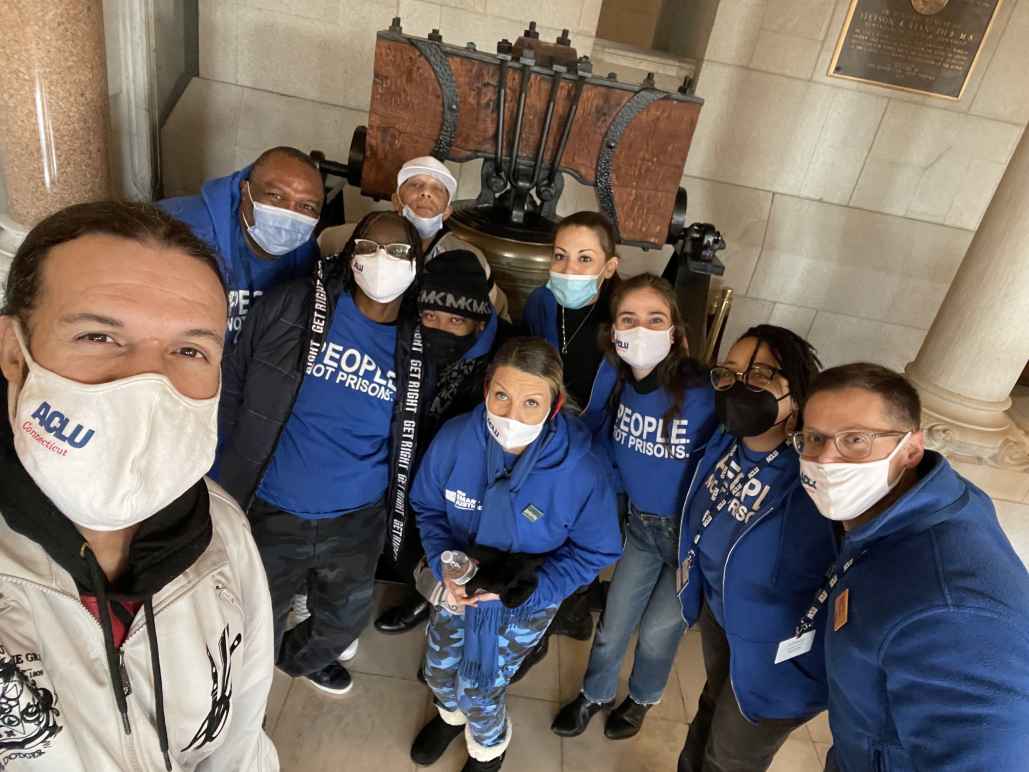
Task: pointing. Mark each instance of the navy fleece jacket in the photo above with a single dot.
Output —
(930, 668)
(566, 508)
(770, 573)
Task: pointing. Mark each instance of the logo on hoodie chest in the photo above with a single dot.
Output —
(462, 500)
(28, 712)
(61, 427)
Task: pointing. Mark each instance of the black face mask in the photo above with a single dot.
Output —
(444, 347)
(747, 413)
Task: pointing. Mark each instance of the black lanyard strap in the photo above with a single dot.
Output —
(832, 578)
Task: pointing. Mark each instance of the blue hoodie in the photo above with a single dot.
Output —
(930, 668)
(566, 506)
(772, 568)
(214, 217)
(540, 318)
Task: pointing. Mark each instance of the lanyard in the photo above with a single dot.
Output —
(832, 578)
(709, 516)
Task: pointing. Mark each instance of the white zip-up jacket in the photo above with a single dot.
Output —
(214, 631)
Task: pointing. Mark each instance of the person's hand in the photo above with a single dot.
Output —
(459, 598)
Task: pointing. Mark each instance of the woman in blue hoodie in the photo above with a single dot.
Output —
(754, 552)
(663, 414)
(496, 484)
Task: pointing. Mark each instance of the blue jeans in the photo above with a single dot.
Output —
(642, 594)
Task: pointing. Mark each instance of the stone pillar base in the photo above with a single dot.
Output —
(970, 430)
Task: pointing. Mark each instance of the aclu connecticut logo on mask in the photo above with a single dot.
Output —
(57, 425)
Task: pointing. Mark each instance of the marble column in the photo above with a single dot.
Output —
(979, 342)
(53, 107)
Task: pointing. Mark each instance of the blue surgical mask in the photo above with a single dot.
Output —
(573, 291)
(427, 227)
(278, 231)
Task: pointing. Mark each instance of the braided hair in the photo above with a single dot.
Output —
(798, 360)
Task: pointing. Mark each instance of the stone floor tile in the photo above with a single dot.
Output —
(542, 682)
(655, 749)
(796, 756)
(819, 728)
(689, 666)
(281, 684)
(370, 728)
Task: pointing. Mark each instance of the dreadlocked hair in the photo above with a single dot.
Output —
(678, 371)
(798, 359)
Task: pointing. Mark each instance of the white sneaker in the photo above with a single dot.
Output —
(349, 652)
(297, 611)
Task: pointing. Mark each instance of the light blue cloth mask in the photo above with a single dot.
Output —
(278, 231)
(573, 291)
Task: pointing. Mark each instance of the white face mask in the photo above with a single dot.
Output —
(381, 277)
(511, 434)
(643, 348)
(427, 227)
(278, 231)
(110, 455)
(844, 490)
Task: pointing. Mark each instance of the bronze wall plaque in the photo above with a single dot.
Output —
(925, 46)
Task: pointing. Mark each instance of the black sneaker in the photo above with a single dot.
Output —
(574, 717)
(333, 678)
(400, 619)
(433, 741)
(626, 720)
(483, 766)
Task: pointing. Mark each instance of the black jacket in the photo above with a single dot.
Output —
(262, 375)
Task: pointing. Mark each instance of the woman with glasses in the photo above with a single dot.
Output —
(306, 417)
(662, 414)
(753, 554)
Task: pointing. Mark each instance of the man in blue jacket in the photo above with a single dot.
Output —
(927, 641)
(259, 221)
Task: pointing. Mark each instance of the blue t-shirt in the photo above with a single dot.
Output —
(333, 454)
(655, 460)
(732, 519)
(248, 277)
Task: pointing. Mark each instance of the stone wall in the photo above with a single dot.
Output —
(847, 208)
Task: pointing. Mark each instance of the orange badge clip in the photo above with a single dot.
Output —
(842, 610)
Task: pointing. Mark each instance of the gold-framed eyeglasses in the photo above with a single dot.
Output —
(852, 444)
(366, 247)
(757, 377)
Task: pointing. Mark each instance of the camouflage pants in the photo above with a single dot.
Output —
(484, 709)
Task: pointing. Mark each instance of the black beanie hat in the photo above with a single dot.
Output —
(455, 283)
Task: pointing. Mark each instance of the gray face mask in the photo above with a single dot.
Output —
(278, 231)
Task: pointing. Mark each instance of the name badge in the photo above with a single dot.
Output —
(794, 647)
(532, 513)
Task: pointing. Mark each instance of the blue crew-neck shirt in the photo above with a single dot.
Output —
(333, 454)
(656, 458)
(735, 517)
(249, 276)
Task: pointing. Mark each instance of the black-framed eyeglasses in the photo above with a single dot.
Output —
(757, 377)
(852, 444)
(367, 247)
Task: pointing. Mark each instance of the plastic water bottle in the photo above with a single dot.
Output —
(460, 569)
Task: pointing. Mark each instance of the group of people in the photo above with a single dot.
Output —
(221, 425)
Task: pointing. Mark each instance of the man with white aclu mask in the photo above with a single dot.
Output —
(135, 622)
(927, 642)
(307, 412)
(424, 195)
(259, 221)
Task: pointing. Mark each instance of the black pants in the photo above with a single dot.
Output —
(720, 738)
(333, 561)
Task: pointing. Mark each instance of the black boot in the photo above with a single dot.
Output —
(626, 720)
(534, 656)
(573, 618)
(433, 741)
(404, 617)
(483, 766)
(574, 717)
